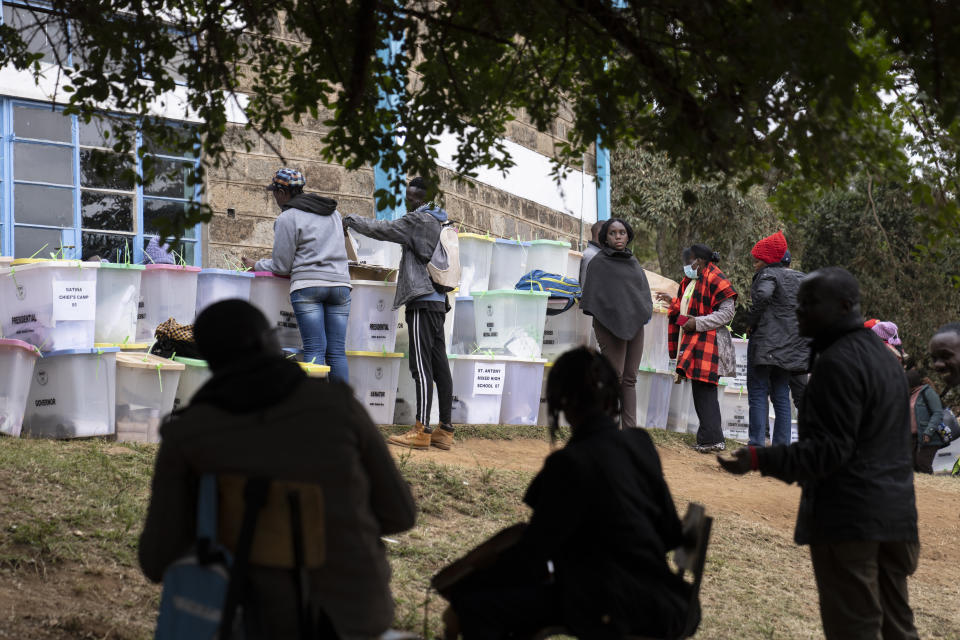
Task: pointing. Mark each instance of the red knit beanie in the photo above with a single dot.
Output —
(771, 248)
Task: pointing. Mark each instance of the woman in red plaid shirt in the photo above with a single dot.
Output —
(704, 304)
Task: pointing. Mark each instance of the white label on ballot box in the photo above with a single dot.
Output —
(488, 378)
(74, 300)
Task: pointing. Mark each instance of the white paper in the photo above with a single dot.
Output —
(74, 300)
(488, 378)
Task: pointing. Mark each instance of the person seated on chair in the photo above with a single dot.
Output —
(593, 556)
(260, 416)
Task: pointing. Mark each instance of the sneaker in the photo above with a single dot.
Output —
(441, 438)
(710, 448)
(416, 438)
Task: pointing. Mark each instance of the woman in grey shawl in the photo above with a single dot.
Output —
(618, 298)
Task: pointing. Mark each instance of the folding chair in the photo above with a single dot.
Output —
(690, 557)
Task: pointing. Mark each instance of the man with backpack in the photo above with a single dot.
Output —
(419, 232)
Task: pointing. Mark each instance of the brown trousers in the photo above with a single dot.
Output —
(863, 589)
(625, 356)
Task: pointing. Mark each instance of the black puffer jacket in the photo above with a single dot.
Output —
(853, 459)
(774, 337)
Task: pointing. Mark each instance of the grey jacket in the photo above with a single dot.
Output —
(418, 232)
(308, 241)
(774, 335)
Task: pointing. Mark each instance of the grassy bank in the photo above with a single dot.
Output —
(71, 513)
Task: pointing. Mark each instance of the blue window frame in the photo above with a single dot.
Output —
(61, 189)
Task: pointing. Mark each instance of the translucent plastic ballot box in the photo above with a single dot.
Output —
(118, 301)
(17, 362)
(653, 390)
(194, 375)
(376, 253)
(215, 285)
(146, 389)
(373, 377)
(372, 325)
(681, 404)
(51, 304)
(510, 322)
(549, 256)
(476, 253)
(508, 263)
(478, 384)
(655, 349)
(166, 291)
(72, 394)
(734, 412)
(740, 379)
(463, 340)
(566, 330)
(270, 294)
(946, 458)
(520, 401)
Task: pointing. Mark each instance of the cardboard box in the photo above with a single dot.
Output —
(368, 272)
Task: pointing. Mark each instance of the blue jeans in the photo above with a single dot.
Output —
(322, 314)
(765, 381)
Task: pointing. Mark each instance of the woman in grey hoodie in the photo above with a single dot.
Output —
(308, 246)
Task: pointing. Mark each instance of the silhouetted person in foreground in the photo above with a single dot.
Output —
(593, 556)
(853, 461)
(259, 415)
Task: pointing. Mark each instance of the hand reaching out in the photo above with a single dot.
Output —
(739, 462)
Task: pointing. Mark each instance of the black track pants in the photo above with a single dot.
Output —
(428, 363)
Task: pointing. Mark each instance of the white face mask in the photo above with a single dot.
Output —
(690, 271)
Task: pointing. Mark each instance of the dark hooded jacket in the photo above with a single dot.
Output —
(853, 459)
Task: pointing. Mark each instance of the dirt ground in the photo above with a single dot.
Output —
(697, 477)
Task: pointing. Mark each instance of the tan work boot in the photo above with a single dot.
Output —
(415, 438)
(441, 438)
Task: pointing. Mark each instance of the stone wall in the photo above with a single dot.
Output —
(240, 185)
